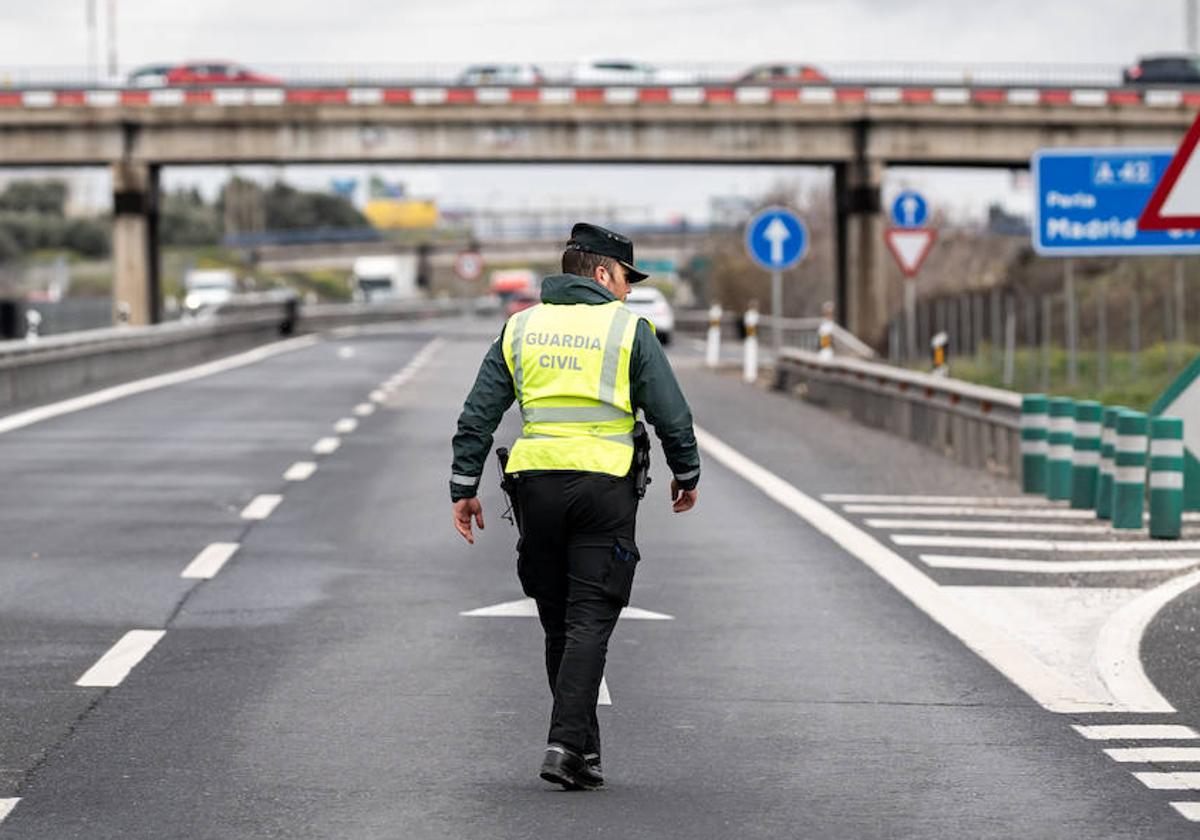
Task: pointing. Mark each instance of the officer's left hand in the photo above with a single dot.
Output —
(464, 509)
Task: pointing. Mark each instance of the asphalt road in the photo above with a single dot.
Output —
(817, 676)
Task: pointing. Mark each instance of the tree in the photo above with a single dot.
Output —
(42, 197)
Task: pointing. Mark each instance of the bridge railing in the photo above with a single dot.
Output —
(975, 425)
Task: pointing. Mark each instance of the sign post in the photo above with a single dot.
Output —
(776, 239)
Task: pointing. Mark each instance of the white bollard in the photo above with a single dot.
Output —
(750, 346)
(712, 353)
(33, 325)
(825, 340)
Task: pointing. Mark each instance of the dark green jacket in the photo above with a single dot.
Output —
(652, 385)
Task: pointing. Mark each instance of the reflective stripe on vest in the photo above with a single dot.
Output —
(570, 370)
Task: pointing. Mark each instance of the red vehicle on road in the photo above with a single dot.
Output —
(217, 73)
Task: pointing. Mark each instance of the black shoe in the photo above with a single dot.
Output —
(568, 768)
(593, 761)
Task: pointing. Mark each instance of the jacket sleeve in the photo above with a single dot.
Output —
(656, 391)
(490, 397)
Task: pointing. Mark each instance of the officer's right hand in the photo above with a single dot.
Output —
(464, 509)
(683, 499)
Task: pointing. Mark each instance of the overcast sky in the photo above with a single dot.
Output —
(451, 33)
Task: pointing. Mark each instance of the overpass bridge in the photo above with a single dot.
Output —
(859, 130)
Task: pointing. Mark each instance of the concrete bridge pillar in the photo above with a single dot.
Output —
(862, 292)
(136, 290)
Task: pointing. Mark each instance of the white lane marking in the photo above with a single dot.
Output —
(604, 698)
(36, 415)
(326, 446)
(1137, 731)
(1053, 567)
(6, 806)
(346, 352)
(1170, 781)
(1150, 755)
(1118, 647)
(115, 665)
(1052, 690)
(952, 510)
(984, 525)
(527, 608)
(210, 560)
(364, 409)
(1012, 501)
(261, 507)
(377, 396)
(1188, 810)
(1013, 544)
(300, 471)
(345, 426)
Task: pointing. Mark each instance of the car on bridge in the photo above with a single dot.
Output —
(626, 72)
(781, 73)
(501, 74)
(1164, 69)
(149, 76)
(217, 73)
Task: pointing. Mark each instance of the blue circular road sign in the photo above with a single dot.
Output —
(776, 238)
(910, 210)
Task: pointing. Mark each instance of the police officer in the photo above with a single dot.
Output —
(580, 365)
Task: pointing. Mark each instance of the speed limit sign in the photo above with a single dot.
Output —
(468, 265)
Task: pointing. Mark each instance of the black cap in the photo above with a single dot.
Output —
(596, 240)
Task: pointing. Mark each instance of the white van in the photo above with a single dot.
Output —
(378, 279)
(207, 287)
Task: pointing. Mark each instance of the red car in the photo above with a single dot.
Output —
(217, 73)
(782, 73)
(520, 302)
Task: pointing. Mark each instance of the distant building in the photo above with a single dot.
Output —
(1000, 222)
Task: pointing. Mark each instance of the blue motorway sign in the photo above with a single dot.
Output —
(776, 238)
(910, 210)
(1089, 201)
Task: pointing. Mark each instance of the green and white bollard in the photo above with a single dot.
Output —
(1060, 451)
(1166, 477)
(1129, 470)
(1085, 455)
(1108, 445)
(1034, 426)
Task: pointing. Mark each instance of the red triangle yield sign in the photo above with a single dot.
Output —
(910, 247)
(1175, 202)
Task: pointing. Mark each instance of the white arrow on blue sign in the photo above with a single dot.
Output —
(910, 210)
(776, 238)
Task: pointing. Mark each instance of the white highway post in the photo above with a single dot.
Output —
(825, 339)
(938, 346)
(750, 346)
(712, 353)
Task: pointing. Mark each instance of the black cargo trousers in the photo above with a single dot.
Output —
(576, 558)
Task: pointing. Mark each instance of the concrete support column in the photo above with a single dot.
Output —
(136, 290)
(862, 292)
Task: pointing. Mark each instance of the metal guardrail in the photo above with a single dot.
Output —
(975, 425)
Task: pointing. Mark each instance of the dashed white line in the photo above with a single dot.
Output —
(1004, 564)
(1184, 780)
(984, 525)
(1013, 544)
(345, 426)
(115, 665)
(1011, 501)
(210, 560)
(364, 409)
(954, 510)
(1137, 731)
(326, 446)
(6, 806)
(377, 396)
(261, 507)
(300, 471)
(1149, 755)
(346, 352)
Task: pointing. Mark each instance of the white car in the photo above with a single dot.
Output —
(626, 72)
(650, 303)
(501, 74)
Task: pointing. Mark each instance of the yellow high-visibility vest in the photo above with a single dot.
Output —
(570, 370)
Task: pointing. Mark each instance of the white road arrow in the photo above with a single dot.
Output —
(777, 233)
(527, 608)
